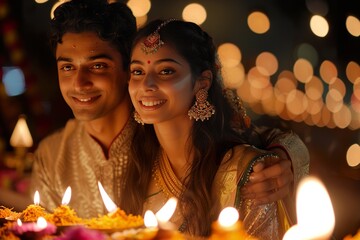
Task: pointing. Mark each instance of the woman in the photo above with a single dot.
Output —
(191, 148)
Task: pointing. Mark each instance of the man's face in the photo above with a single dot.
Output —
(91, 75)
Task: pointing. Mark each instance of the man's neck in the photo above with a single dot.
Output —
(107, 128)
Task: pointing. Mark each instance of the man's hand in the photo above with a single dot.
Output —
(270, 181)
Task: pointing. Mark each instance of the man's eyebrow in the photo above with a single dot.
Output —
(99, 56)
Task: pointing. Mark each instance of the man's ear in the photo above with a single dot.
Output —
(204, 81)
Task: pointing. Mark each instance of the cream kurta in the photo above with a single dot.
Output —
(71, 157)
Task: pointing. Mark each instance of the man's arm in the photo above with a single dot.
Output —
(276, 178)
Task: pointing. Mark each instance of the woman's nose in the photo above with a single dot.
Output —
(149, 82)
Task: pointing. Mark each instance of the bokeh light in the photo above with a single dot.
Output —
(195, 13)
(319, 26)
(258, 22)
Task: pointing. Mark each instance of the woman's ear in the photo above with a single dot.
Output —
(204, 81)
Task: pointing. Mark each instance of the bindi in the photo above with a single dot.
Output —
(148, 61)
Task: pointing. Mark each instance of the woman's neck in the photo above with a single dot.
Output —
(174, 139)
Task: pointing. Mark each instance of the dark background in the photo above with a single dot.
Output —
(26, 23)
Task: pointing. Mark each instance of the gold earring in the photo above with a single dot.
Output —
(138, 118)
(202, 109)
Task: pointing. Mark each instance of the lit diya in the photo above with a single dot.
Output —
(229, 227)
(157, 226)
(116, 219)
(33, 211)
(33, 230)
(63, 215)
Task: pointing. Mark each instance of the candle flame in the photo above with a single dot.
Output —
(150, 219)
(166, 212)
(67, 196)
(315, 214)
(21, 136)
(19, 222)
(41, 223)
(109, 204)
(36, 198)
(228, 217)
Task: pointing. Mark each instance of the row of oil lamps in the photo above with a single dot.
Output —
(315, 217)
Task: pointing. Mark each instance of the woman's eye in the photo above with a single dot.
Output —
(167, 71)
(136, 72)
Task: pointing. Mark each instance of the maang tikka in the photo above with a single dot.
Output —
(152, 43)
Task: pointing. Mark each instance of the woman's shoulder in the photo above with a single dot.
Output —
(243, 153)
(241, 158)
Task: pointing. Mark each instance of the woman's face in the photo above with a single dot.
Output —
(161, 86)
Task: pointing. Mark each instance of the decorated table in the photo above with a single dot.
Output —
(315, 221)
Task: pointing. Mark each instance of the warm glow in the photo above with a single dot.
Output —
(352, 71)
(36, 198)
(228, 217)
(294, 233)
(296, 102)
(353, 155)
(109, 204)
(140, 21)
(334, 101)
(314, 106)
(41, 1)
(328, 71)
(150, 219)
(319, 26)
(258, 22)
(353, 25)
(195, 13)
(41, 223)
(356, 88)
(55, 6)
(257, 80)
(19, 222)
(229, 55)
(315, 214)
(166, 212)
(21, 136)
(139, 7)
(342, 118)
(67, 196)
(233, 77)
(267, 63)
(314, 88)
(303, 70)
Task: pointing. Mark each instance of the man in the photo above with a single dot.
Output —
(91, 40)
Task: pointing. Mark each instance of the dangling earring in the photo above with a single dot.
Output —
(202, 109)
(138, 118)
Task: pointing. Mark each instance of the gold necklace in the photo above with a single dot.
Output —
(165, 176)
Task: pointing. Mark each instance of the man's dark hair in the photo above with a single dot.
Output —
(112, 22)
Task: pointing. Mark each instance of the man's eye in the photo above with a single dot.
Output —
(98, 66)
(66, 68)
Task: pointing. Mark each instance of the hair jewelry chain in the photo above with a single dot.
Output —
(152, 43)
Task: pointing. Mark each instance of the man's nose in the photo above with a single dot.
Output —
(82, 80)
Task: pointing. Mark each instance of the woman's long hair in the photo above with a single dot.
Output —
(209, 140)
